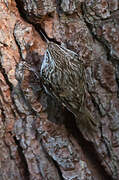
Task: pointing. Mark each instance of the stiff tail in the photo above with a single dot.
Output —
(87, 124)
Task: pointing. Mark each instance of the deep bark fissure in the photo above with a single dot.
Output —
(90, 152)
(20, 9)
(19, 49)
(23, 159)
(42, 33)
(54, 162)
(58, 169)
(117, 78)
(37, 26)
(87, 147)
(6, 77)
(2, 111)
(10, 87)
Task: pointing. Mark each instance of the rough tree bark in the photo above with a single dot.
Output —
(38, 137)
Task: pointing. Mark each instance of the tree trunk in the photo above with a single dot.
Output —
(39, 138)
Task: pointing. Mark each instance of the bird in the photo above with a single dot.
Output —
(63, 77)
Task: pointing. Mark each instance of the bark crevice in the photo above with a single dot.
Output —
(23, 159)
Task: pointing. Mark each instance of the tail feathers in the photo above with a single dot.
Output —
(87, 124)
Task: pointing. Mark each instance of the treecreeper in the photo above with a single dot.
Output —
(63, 76)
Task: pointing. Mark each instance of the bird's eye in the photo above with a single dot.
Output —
(47, 59)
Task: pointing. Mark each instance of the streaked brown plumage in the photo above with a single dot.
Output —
(64, 77)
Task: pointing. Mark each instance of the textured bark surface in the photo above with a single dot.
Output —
(39, 138)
